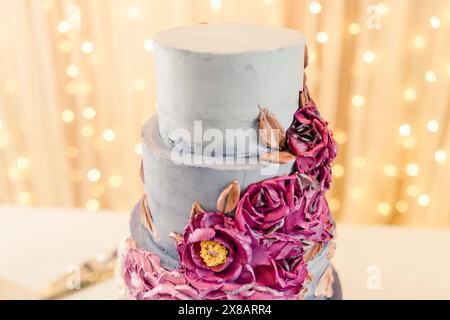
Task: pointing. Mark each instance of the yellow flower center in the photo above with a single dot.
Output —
(213, 253)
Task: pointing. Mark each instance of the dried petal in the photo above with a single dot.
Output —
(147, 219)
(282, 157)
(331, 250)
(196, 209)
(175, 236)
(313, 251)
(229, 198)
(141, 171)
(271, 131)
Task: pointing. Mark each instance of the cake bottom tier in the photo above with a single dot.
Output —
(169, 258)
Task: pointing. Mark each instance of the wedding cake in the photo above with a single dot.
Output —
(236, 165)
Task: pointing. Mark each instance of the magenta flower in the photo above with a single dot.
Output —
(216, 256)
(146, 279)
(310, 139)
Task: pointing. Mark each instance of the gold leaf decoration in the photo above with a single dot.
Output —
(196, 209)
(147, 219)
(331, 250)
(175, 236)
(325, 286)
(312, 252)
(229, 198)
(282, 157)
(271, 132)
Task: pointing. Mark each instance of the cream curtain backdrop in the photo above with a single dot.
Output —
(77, 83)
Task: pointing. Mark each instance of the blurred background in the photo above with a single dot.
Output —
(77, 84)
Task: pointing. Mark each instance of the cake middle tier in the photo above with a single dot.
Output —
(172, 187)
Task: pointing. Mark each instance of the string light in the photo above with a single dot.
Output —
(435, 22)
(430, 76)
(359, 162)
(72, 71)
(22, 163)
(63, 26)
(338, 170)
(94, 175)
(404, 130)
(134, 13)
(440, 156)
(384, 208)
(87, 47)
(89, 113)
(216, 4)
(412, 190)
(369, 57)
(115, 181)
(93, 205)
(401, 206)
(419, 42)
(148, 45)
(354, 28)
(315, 7)
(390, 170)
(358, 101)
(322, 37)
(138, 149)
(67, 116)
(409, 94)
(109, 135)
(382, 8)
(423, 200)
(433, 126)
(412, 170)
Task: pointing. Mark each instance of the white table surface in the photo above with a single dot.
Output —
(38, 244)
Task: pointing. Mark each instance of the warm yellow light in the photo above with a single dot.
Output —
(412, 190)
(138, 149)
(433, 126)
(340, 137)
(448, 69)
(409, 94)
(354, 28)
(404, 130)
(115, 181)
(23, 198)
(358, 100)
(390, 170)
(356, 193)
(71, 152)
(322, 37)
(47, 5)
(148, 45)
(435, 22)
(408, 142)
(334, 204)
(369, 57)
(72, 71)
(423, 200)
(412, 170)
(419, 42)
(109, 135)
(134, 13)
(76, 175)
(4, 139)
(87, 131)
(440, 156)
(401, 206)
(93, 205)
(430, 76)
(359, 162)
(65, 46)
(87, 47)
(384, 208)
(63, 27)
(1, 124)
(97, 190)
(14, 173)
(139, 84)
(268, 1)
(67, 116)
(89, 113)
(315, 7)
(382, 8)
(216, 4)
(22, 163)
(338, 171)
(94, 175)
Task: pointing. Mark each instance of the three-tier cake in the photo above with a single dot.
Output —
(235, 165)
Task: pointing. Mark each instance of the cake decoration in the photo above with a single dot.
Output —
(229, 197)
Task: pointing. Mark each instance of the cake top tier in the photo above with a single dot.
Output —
(228, 38)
